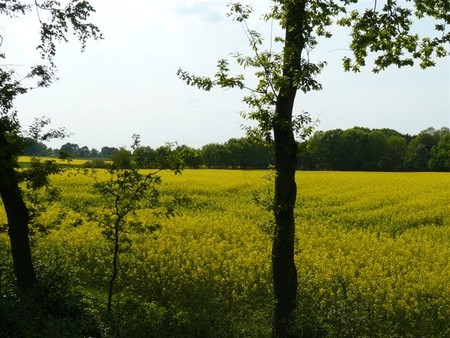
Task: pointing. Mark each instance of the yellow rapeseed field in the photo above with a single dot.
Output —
(76, 162)
(372, 252)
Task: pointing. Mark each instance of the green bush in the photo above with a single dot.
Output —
(99, 164)
(53, 309)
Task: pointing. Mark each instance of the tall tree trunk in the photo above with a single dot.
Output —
(283, 265)
(18, 218)
(284, 270)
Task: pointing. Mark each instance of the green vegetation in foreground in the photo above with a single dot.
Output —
(372, 256)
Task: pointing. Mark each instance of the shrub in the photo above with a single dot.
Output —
(99, 164)
(53, 309)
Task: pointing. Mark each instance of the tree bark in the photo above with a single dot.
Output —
(283, 265)
(114, 264)
(18, 219)
(284, 270)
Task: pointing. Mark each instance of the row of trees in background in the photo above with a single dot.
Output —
(352, 149)
(376, 150)
(35, 148)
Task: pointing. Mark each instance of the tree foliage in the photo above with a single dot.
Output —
(375, 150)
(125, 192)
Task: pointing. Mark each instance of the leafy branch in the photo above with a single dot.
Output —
(126, 191)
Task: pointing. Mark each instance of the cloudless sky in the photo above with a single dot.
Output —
(127, 83)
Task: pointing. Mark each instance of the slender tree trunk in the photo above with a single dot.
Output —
(18, 218)
(283, 265)
(115, 262)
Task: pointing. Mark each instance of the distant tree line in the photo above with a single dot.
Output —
(376, 150)
(35, 148)
(357, 148)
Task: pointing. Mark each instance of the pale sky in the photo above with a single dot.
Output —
(127, 83)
